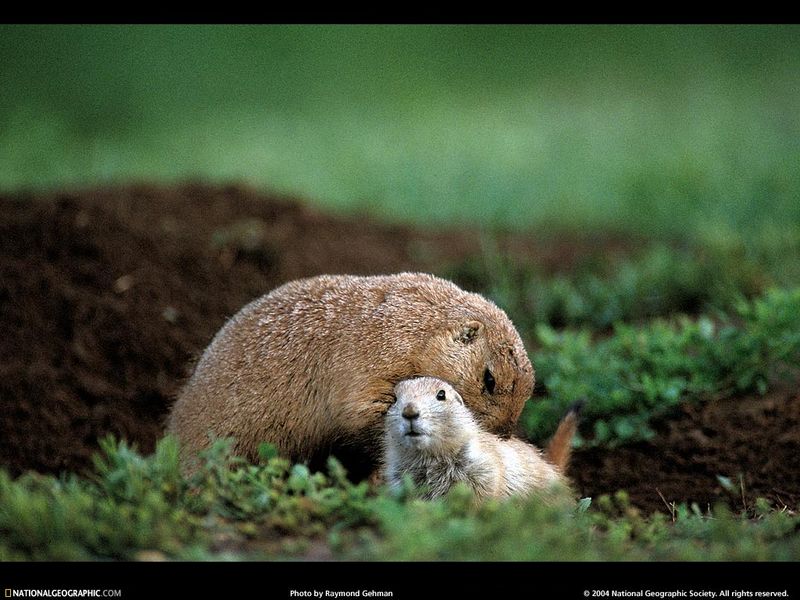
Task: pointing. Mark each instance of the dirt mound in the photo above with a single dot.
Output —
(754, 442)
(107, 295)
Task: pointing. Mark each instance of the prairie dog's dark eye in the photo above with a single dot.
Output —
(488, 381)
(440, 395)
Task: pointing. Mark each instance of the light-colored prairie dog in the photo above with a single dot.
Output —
(311, 366)
(432, 437)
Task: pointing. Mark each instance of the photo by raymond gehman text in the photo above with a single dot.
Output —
(341, 594)
(735, 593)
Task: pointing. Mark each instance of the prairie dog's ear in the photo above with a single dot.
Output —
(467, 332)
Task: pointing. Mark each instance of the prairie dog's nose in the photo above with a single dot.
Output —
(410, 411)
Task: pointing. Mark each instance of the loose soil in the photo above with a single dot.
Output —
(752, 441)
(108, 295)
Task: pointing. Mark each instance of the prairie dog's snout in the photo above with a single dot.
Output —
(410, 423)
(410, 411)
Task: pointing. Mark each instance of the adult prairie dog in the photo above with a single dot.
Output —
(433, 437)
(311, 366)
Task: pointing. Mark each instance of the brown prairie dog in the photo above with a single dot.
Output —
(311, 366)
(431, 436)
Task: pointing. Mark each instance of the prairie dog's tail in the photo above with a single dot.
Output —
(560, 447)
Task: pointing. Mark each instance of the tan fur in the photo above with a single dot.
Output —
(438, 443)
(559, 450)
(311, 366)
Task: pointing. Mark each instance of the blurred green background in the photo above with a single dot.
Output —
(664, 130)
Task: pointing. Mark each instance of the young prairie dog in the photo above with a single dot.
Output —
(432, 436)
(311, 366)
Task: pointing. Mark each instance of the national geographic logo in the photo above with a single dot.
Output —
(62, 593)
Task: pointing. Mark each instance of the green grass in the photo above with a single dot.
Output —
(666, 130)
(604, 289)
(137, 507)
(641, 373)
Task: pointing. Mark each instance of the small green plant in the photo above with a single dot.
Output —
(602, 291)
(279, 495)
(641, 373)
(138, 506)
(132, 504)
(454, 528)
(692, 534)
